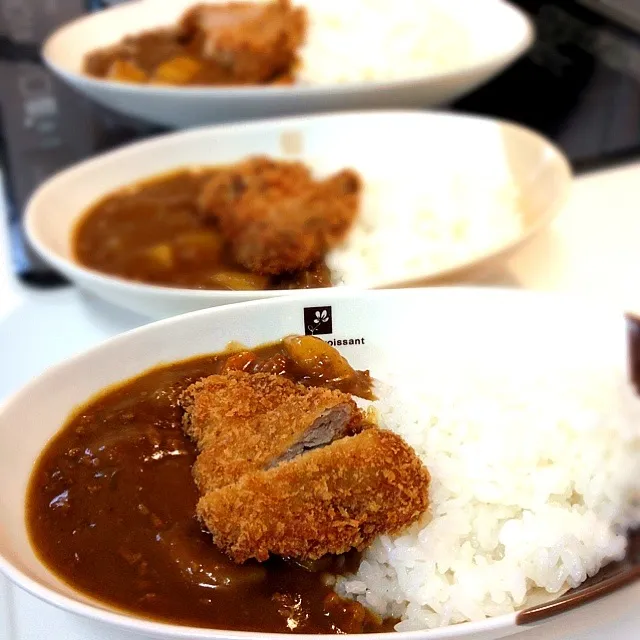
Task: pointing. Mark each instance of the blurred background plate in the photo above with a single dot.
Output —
(444, 152)
(498, 33)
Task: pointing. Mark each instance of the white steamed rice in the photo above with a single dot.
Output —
(380, 40)
(534, 481)
(411, 227)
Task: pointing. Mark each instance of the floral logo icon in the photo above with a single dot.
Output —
(320, 317)
(318, 321)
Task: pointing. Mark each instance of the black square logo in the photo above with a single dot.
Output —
(317, 321)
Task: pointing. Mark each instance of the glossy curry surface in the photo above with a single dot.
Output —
(111, 511)
(150, 232)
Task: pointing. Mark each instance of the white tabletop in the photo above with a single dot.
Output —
(591, 249)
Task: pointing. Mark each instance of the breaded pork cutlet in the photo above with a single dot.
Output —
(326, 501)
(245, 422)
(255, 42)
(275, 217)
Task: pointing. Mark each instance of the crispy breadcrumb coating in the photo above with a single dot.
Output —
(245, 422)
(276, 218)
(254, 42)
(327, 501)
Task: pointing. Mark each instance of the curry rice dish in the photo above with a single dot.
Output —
(279, 489)
(269, 224)
(303, 42)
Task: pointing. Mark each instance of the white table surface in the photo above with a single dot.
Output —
(591, 249)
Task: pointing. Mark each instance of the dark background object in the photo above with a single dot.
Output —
(45, 126)
(580, 82)
(579, 85)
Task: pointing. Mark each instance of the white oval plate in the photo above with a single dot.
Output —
(498, 33)
(391, 325)
(375, 143)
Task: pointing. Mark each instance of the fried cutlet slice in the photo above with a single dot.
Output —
(273, 178)
(255, 42)
(326, 501)
(276, 217)
(245, 422)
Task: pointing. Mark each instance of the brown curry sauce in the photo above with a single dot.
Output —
(150, 233)
(111, 505)
(155, 48)
(214, 44)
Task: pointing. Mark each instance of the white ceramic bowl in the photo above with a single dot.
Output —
(465, 323)
(498, 33)
(377, 143)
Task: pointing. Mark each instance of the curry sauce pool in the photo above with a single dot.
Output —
(111, 509)
(253, 225)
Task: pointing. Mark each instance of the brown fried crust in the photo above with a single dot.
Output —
(241, 422)
(255, 42)
(324, 502)
(276, 218)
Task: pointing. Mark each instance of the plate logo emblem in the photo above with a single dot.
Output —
(317, 321)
